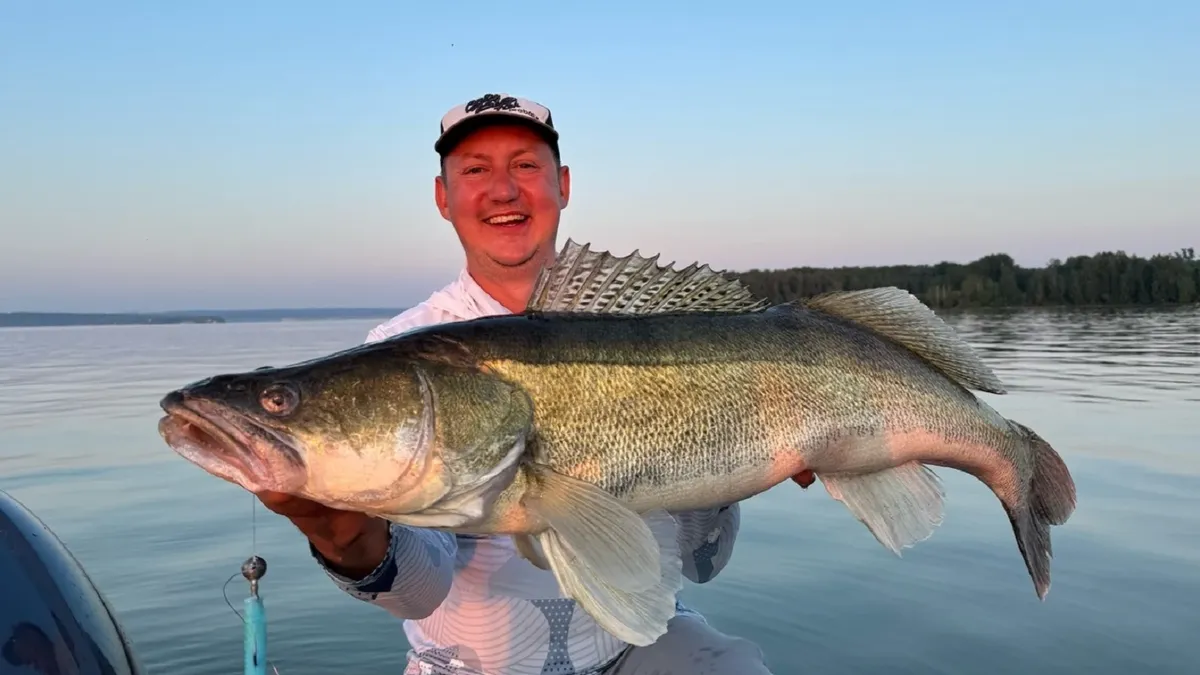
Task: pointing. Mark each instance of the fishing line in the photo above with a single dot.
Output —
(253, 526)
(255, 628)
(225, 594)
(253, 553)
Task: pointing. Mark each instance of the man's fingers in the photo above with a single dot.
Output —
(290, 505)
(268, 497)
(324, 526)
(274, 500)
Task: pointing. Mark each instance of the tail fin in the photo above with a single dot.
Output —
(1050, 501)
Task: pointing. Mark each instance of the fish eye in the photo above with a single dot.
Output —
(279, 399)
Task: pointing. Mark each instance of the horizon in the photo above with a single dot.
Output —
(167, 156)
(225, 312)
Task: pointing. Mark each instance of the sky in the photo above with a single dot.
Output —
(159, 155)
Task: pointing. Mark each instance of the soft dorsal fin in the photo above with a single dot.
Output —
(582, 280)
(901, 317)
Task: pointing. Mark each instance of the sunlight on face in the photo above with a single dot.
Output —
(503, 192)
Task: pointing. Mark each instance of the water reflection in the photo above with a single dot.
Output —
(1114, 390)
(1125, 355)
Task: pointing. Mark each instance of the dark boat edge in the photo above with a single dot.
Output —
(53, 618)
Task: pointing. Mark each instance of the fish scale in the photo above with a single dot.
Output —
(626, 391)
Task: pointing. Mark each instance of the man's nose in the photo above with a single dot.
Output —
(502, 187)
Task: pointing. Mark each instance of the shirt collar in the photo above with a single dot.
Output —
(465, 299)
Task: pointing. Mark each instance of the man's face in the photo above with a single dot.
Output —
(503, 193)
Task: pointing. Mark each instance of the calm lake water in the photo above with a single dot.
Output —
(1117, 393)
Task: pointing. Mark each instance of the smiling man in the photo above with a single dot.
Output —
(472, 604)
(502, 187)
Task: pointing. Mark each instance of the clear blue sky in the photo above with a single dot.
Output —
(159, 155)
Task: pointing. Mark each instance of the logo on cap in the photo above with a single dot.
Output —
(491, 102)
(495, 104)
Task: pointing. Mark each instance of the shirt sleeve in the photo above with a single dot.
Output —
(706, 540)
(414, 577)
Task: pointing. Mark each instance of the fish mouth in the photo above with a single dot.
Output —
(230, 445)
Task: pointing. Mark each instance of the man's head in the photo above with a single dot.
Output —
(502, 183)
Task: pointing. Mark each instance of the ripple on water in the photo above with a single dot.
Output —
(1114, 391)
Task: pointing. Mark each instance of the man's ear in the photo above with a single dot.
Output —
(564, 186)
(439, 196)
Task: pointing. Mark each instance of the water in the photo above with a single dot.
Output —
(1113, 391)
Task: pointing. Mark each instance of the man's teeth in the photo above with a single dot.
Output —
(503, 220)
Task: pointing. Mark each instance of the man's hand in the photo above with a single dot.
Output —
(353, 543)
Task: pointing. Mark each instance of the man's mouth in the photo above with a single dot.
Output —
(507, 219)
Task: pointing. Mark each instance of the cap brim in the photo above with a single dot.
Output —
(456, 133)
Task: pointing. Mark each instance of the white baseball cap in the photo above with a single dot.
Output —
(462, 119)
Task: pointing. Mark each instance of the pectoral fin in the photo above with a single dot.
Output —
(900, 506)
(528, 548)
(622, 568)
(595, 528)
(638, 618)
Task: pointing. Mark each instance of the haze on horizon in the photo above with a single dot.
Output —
(170, 156)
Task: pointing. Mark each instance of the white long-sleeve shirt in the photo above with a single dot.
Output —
(472, 604)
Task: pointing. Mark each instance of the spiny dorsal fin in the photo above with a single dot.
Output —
(900, 316)
(582, 280)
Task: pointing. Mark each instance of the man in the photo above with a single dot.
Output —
(472, 604)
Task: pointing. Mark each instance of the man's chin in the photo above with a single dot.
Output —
(513, 257)
(514, 262)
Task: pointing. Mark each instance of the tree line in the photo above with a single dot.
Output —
(1107, 278)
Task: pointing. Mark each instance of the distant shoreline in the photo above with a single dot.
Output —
(63, 319)
(71, 319)
(1106, 279)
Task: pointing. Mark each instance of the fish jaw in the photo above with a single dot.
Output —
(230, 445)
(404, 475)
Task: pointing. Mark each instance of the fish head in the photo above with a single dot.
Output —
(350, 431)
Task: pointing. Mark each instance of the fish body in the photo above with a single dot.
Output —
(628, 391)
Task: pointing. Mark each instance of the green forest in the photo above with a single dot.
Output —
(1108, 278)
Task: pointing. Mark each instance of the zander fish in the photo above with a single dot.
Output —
(625, 392)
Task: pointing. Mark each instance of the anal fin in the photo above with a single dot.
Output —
(900, 506)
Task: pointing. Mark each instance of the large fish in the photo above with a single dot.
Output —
(627, 391)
